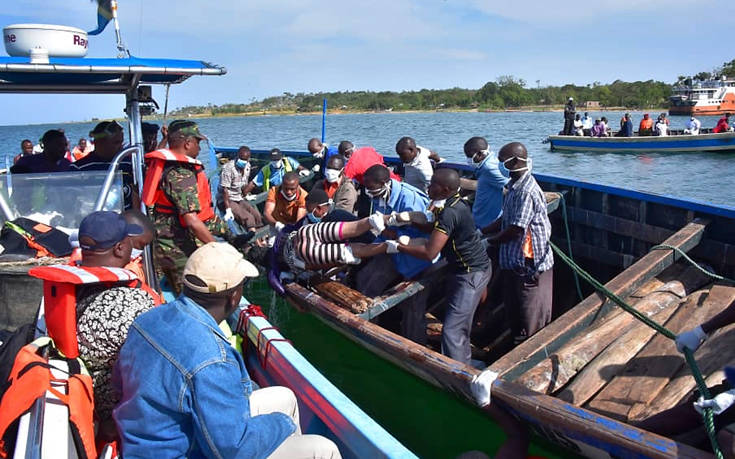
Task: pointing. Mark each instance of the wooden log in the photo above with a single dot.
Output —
(711, 357)
(350, 299)
(547, 413)
(551, 337)
(556, 370)
(605, 366)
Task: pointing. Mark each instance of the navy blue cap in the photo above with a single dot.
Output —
(102, 230)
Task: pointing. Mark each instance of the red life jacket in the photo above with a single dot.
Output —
(60, 297)
(154, 196)
(31, 378)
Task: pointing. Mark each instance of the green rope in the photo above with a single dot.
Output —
(694, 263)
(569, 243)
(707, 414)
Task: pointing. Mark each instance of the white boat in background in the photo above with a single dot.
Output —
(702, 98)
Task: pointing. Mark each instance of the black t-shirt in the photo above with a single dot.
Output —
(464, 250)
(92, 162)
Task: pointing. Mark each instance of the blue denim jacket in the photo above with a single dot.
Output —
(185, 390)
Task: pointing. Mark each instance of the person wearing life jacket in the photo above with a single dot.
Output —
(177, 190)
(646, 125)
(272, 173)
(101, 298)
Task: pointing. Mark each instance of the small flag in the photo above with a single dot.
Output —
(104, 15)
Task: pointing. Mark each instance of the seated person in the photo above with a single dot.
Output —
(578, 125)
(26, 149)
(233, 179)
(136, 217)
(722, 125)
(338, 188)
(272, 174)
(693, 126)
(598, 129)
(104, 314)
(662, 128)
(646, 125)
(207, 406)
(321, 151)
(51, 160)
(150, 137)
(416, 163)
(286, 204)
(82, 149)
(346, 148)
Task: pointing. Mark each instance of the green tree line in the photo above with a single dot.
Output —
(506, 92)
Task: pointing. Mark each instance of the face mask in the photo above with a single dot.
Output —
(135, 253)
(518, 169)
(287, 198)
(439, 203)
(503, 170)
(332, 175)
(241, 163)
(276, 164)
(313, 218)
(377, 193)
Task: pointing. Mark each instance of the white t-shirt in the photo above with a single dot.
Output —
(419, 172)
(662, 128)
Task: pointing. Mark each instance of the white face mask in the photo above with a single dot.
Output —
(288, 198)
(379, 193)
(332, 175)
(438, 203)
(276, 164)
(135, 253)
(519, 169)
(480, 155)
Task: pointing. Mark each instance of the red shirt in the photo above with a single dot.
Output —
(361, 160)
(721, 126)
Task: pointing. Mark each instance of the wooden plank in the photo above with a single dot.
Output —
(558, 332)
(617, 225)
(349, 299)
(553, 417)
(614, 358)
(559, 367)
(715, 353)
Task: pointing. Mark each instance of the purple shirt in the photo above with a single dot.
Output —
(598, 130)
(36, 164)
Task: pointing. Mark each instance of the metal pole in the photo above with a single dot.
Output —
(324, 118)
(102, 197)
(121, 49)
(5, 207)
(165, 106)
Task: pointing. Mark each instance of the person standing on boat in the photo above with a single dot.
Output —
(586, 124)
(453, 234)
(233, 179)
(693, 126)
(526, 259)
(26, 149)
(488, 205)
(51, 160)
(722, 124)
(272, 174)
(338, 188)
(569, 111)
(645, 128)
(416, 163)
(177, 188)
(207, 406)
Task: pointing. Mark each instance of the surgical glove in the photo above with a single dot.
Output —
(228, 215)
(303, 172)
(690, 339)
(316, 168)
(278, 226)
(377, 223)
(404, 240)
(250, 197)
(392, 246)
(481, 386)
(399, 219)
(718, 404)
(348, 257)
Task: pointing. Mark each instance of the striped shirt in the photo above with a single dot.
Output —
(524, 205)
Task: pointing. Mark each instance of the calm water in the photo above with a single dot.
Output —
(702, 176)
(431, 422)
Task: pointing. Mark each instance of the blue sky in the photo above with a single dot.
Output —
(271, 47)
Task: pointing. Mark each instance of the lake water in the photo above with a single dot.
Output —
(701, 176)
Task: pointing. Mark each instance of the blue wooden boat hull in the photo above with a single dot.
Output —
(705, 142)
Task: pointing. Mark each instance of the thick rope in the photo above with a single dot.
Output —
(684, 255)
(569, 243)
(707, 414)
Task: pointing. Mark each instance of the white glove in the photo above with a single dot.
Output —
(481, 386)
(718, 404)
(690, 339)
(429, 216)
(279, 226)
(318, 154)
(392, 246)
(348, 257)
(399, 219)
(377, 223)
(303, 172)
(228, 215)
(250, 197)
(404, 240)
(316, 168)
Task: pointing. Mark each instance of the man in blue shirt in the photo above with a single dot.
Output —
(272, 173)
(185, 389)
(321, 150)
(387, 196)
(488, 205)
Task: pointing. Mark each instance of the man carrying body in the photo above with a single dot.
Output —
(207, 407)
(338, 188)
(51, 160)
(26, 149)
(569, 111)
(108, 142)
(233, 179)
(526, 259)
(416, 162)
(388, 195)
(454, 235)
(488, 203)
(286, 204)
(177, 188)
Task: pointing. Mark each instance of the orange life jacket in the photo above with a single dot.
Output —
(31, 378)
(154, 196)
(646, 124)
(60, 297)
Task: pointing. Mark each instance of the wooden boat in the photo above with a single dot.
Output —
(270, 357)
(721, 142)
(612, 231)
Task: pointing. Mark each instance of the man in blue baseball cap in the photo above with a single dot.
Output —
(99, 232)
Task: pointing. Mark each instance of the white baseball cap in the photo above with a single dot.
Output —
(216, 267)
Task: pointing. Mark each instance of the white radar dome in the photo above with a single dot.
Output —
(58, 40)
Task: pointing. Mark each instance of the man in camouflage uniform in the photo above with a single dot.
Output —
(174, 241)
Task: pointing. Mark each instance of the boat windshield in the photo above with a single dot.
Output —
(60, 199)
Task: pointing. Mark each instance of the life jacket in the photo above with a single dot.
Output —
(60, 283)
(154, 196)
(24, 236)
(646, 125)
(267, 173)
(31, 378)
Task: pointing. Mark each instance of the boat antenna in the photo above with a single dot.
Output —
(122, 50)
(165, 105)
